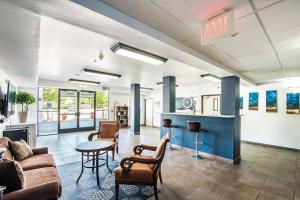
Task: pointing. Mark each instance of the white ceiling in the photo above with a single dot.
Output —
(67, 42)
(250, 51)
(55, 39)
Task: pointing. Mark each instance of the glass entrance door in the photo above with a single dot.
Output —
(76, 111)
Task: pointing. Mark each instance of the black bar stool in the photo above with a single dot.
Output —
(167, 123)
(195, 127)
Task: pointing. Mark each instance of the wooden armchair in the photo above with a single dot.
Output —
(108, 130)
(139, 169)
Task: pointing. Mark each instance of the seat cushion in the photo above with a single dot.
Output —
(20, 150)
(39, 176)
(38, 161)
(138, 171)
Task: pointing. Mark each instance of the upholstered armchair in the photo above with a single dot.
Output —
(108, 130)
(139, 169)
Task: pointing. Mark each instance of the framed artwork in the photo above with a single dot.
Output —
(253, 101)
(241, 103)
(292, 103)
(215, 104)
(271, 101)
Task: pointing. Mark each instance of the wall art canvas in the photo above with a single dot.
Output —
(271, 101)
(241, 103)
(292, 103)
(253, 101)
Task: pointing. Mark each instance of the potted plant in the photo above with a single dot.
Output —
(24, 99)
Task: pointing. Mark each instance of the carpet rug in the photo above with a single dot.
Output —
(87, 188)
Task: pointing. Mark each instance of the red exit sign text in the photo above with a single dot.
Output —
(217, 27)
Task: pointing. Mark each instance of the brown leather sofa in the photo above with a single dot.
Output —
(108, 130)
(138, 169)
(42, 179)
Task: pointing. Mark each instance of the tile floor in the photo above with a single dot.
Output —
(265, 173)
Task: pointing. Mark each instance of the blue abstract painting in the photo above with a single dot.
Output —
(271, 101)
(253, 101)
(292, 103)
(241, 102)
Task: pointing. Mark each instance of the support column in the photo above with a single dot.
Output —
(135, 108)
(230, 105)
(169, 93)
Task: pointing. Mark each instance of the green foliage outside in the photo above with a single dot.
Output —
(50, 95)
(25, 99)
(101, 99)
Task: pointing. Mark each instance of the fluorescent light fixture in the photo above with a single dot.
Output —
(83, 82)
(161, 83)
(102, 74)
(144, 88)
(138, 54)
(211, 77)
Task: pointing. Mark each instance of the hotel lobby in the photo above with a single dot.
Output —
(149, 99)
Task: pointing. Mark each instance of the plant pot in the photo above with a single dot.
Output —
(23, 116)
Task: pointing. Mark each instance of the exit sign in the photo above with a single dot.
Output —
(217, 27)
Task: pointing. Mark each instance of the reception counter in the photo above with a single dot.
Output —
(221, 139)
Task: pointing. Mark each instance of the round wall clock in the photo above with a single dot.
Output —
(187, 102)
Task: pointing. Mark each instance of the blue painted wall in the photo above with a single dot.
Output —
(219, 140)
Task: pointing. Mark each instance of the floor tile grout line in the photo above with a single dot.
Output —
(262, 187)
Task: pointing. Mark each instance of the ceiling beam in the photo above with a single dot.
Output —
(115, 14)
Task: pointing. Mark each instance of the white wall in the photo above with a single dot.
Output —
(278, 129)
(187, 91)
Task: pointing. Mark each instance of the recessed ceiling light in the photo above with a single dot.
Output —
(138, 54)
(211, 77)
(102, 74)
(78, 81)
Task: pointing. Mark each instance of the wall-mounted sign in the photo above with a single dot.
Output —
(217, 27)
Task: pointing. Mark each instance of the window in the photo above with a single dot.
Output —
(102, 108)
(47, 110)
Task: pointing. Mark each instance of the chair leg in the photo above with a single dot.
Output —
(160, 178)
(155, 191)
(117, 148)
(113, 155)
(117, 190)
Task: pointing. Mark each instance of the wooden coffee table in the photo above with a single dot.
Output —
(96, 148)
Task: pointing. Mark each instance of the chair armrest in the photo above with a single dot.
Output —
(90, 138)
(138, 149)
(38, 151)
(44, 191)
(127, 162)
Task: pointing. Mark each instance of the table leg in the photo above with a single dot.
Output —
(97, 169)
(93, 169)
(82, 167)
(107, 162)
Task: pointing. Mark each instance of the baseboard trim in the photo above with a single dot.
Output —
(270, 145)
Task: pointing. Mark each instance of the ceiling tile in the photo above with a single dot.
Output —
(264, 3)
(167, 4)
(247, 29)
(265, 75)
(261, 60)
(174, 28)
(281, 16)
(248, 47)
(286, 37)
(242, 10)
(289, 55)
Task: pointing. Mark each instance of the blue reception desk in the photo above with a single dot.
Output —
(222, 138)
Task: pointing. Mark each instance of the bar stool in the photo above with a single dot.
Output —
(195, 127)
(167, 123)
